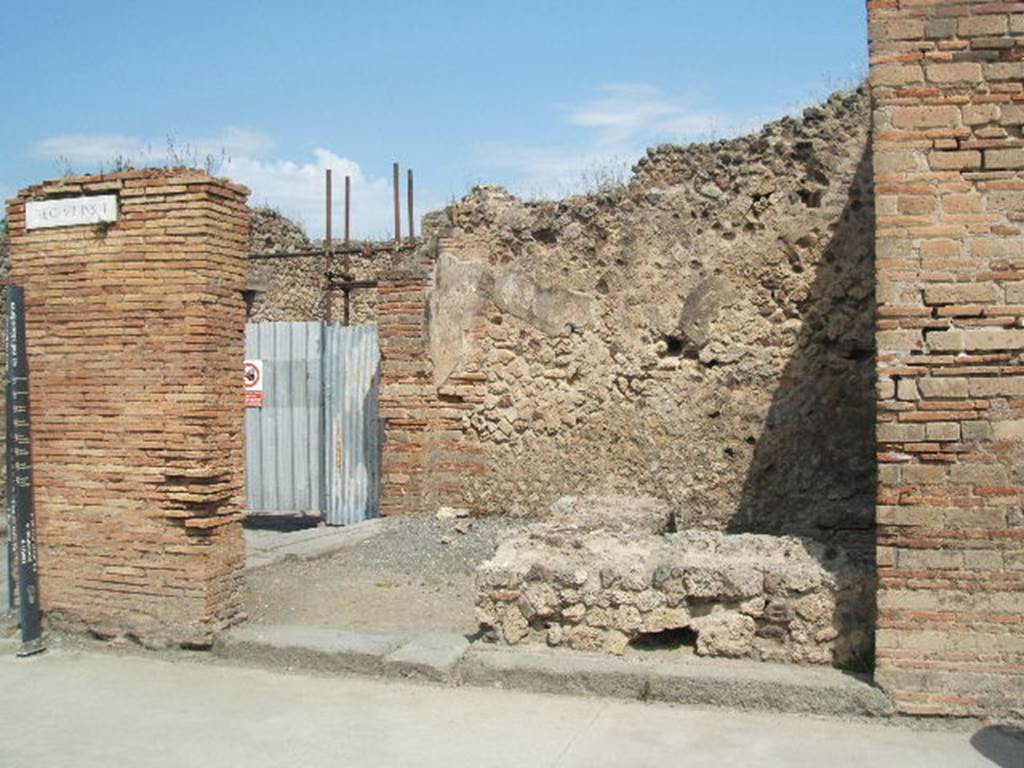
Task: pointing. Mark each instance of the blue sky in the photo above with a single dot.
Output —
(542, 97)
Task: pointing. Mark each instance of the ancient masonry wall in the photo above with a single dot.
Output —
(948, 86)
(702, 334)
(426, 459)
(134, 342)
(425, 456)
(5, 272)
(293, 288)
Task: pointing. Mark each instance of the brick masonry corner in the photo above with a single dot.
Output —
(948, 88)
(135, 339)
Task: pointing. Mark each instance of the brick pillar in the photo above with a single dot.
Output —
(135, 340)
(406, 392)
(948, 85)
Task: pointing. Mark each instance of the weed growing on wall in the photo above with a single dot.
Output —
(175, 156)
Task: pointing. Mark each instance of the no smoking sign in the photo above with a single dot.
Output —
(253, 384)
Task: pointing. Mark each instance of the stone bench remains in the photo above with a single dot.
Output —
(605, 572)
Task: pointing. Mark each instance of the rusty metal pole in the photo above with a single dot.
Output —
(348, 256)
(348, 204)
(398, 203)
(408, 188)
(328, 246)
(327, 211)
(324, 329)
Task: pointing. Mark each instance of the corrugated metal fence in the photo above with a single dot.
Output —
(353, 428)
(315, 444)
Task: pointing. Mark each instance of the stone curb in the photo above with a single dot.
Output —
(701, 682)
(309, 648)
(450, 659)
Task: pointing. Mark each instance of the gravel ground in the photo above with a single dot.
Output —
(416, 575)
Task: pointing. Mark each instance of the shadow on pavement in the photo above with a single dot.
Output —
(1002, 744)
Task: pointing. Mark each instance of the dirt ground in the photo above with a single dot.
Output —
(415, 575)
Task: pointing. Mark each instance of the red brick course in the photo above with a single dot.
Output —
(135, 337)
(948, 87)
(427, 456)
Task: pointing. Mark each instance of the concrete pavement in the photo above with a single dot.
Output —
(83, 709)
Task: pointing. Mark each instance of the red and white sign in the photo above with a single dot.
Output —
(253, 384)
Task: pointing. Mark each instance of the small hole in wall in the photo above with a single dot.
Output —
(545, 235)
(674, 346)
(602, 287)
(858, 355)
(665, 640)
(812, 199)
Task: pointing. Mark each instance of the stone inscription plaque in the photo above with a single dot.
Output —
(70, 211)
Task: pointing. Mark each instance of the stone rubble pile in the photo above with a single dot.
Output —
(272, 232)
(602, 572)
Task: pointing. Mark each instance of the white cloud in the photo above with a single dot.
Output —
(618, 125)
(628, 112)
(296, 188)
(556, 170)
(90, 149)
(104, 149)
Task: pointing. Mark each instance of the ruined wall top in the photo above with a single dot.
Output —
(272, 232)
(767, 151)
(699, 175)
(135, 177)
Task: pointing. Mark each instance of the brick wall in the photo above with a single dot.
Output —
(427, 458)
(135, 340)
(405, 394)
(948, 87)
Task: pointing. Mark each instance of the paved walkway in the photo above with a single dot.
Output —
(266, 547)
(72, 708)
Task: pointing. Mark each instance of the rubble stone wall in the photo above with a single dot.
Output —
(135, 337)
(602, 581)
(292, 288)
(703, 335)
(948, 85)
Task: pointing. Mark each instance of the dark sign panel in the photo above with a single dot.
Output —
(22, 529)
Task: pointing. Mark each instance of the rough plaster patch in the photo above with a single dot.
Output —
(462, 290)
(701, 309)
(554, 311)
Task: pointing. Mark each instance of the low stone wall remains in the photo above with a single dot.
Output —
(606, 572)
